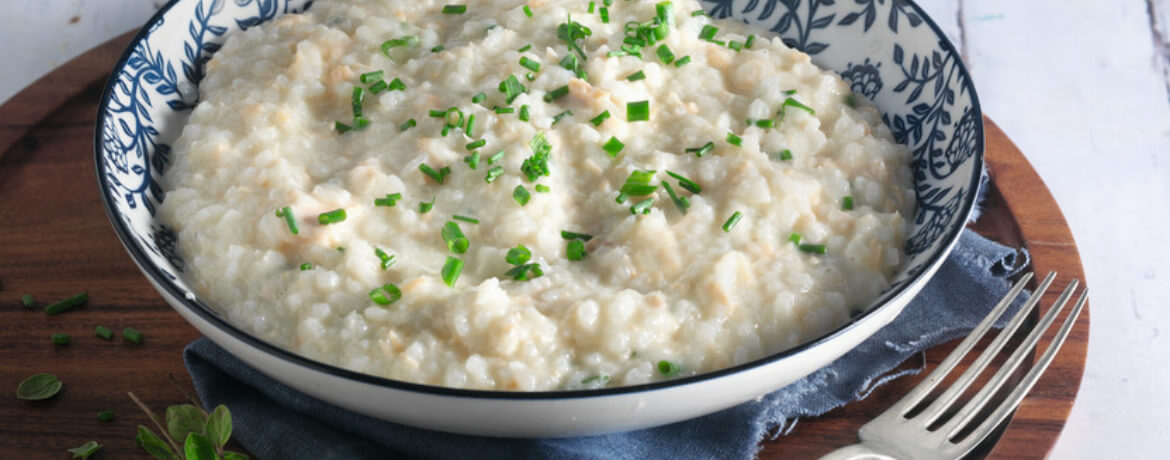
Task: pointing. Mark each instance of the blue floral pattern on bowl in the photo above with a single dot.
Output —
(887, 50)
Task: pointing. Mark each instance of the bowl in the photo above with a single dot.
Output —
(891, 52)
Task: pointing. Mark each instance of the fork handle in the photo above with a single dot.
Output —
(856, 452)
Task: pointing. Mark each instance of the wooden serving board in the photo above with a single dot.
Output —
(56, 241)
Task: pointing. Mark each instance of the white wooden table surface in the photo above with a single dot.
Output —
(1082, 87)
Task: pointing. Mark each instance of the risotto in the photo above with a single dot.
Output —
(543, 196)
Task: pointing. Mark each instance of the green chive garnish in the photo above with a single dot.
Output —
(479, 97)
(708, 32)
(565, 234)
(592, 5)
(453, 117)
(789, 92)
(613, 146)
(525, 272)
(331, 217)
(750, 40)
(505, 110)
(475, 144)
(437, 114)
(27, 301)
(541, 188)
(390, 200)
(812, 248)
(850, 101)
(472, 160)
(847, 203)
(600, 118)
(785, 155)
(604, 13)
(470, 220)
(681, 202)
(668, 368)
(705, 149)
(790, 102)
(685, 183)
(639, 75)
(132, 335)
(407, 125)
(369, 77)
(518, 255)
(386, 294)
(378, 87)
(529, 64)
(537, 164)
(451, 271)
(734, 140)
(521, 195)
(525, 48)
(454, 9)
(359, 95)
(524, 116)
(289, 219)
(638, 183)
(438, 176)
(496, 157)
(638, 111)
(642, 206)
(306, 266)
(665, 55)
(556, 93)
(453, 236)
(387, 259)
(425, 207)
(527, 11)
(105, 415)
(103, 332)
(794, 238)
(735, 45)
(512, 88)
(698, 13)
(67, 304)
(437, 48)
(682, 61)
(731, 221)
(408, 40)
(60, 339)
(557, 118)
(576, 250)
(765, 123)
(493, 173)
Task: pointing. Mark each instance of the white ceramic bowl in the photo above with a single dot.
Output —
(888, 51)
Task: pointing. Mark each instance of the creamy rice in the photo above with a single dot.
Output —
(661, 286)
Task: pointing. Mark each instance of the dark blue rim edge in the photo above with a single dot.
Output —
(206, 314)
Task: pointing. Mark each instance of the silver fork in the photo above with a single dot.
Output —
(900, 434)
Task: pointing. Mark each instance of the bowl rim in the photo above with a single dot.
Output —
(275, 351)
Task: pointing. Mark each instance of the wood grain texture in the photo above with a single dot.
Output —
(57, 242)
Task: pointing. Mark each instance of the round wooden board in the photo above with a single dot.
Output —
(56, 242)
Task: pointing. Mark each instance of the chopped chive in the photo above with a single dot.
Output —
(698, 13)
(289, 219)
(524, 116)
(438, 176)
(607, 2)
(521, 195)
(27, 302)
(847, 203)
(685, 183)
(617, 53)
(765, 123)
(493, 173)
(342, 127)
(557, 118)
(378, 87)
(451, 271)
(454, 117)
(369, 77)
(359, 95)
(425, 207)
(541, 188)
(599, 379)
(360, 122)
(390, 200)
(850, 101)
(437, 114)
(472, 160)
(407, 125)
(700, 151)
(621, 198)
(66, 304)
(527, 11)
(591, 7)
(537, 164)
(386, 294)
(789, 92)
(665, 55)
(476, 144)
(735, 45)
(556, 93)
(638, 183)
(408, 40)
(478, 97)
(529, 64)
(438, 48)
(512, 88)
(505, 109)
(518, 255)
(812, 248)
(642, 206)
(668, 368)
(565, 234)
(731, 221)
(525, 272)
(387, 259)
(734, 140)
(679, 201)
(496, 157)
(331, 217)
(639, 75)
(750, 40)
(341, 249)
(454, 9)
(794, 238)
(306, 266)
(613, 146)
(785, 155)
(105, 415)
(790, 102)
(470, 220)
(132, 335)
(708, 32)
(103, 332)
(529, 76)
(576, 250)
(600, 118)
(453, 236)
(60, 339)
(638, 111)
(525, 48)
(682, 61)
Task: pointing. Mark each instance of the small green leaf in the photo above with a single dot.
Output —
(184, 419)
(219, 425)
(154, 445)
(229, 455)
(85, 450)
(38, 387)
(198, 447)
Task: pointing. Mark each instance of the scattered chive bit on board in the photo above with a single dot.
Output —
(105, 415)
(67, 304)
(104, 332)
(28, 302)
(60, 339)
(132, 335)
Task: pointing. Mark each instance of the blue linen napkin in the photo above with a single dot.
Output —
(274, 421)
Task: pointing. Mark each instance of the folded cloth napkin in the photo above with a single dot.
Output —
(274, 421)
